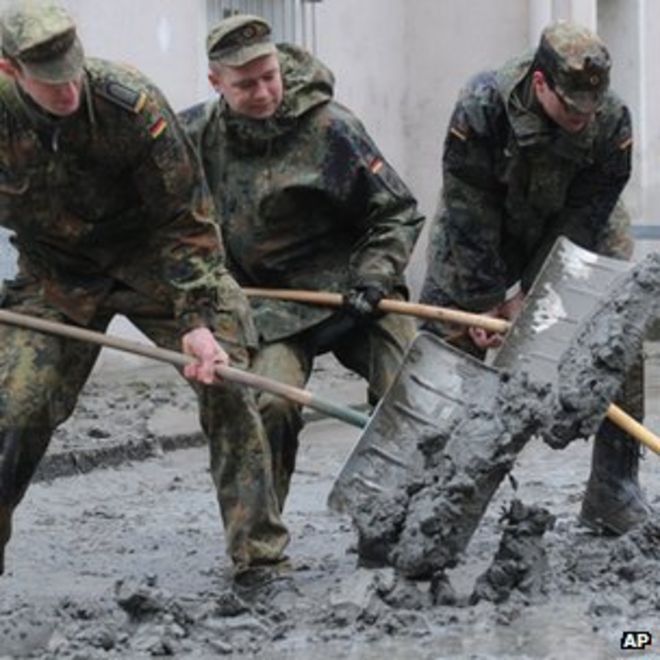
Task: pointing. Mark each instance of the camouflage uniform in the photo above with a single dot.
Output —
(307, 201)
(513, 181)
(111, 215)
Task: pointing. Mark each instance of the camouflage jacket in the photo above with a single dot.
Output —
(513, 181)
(111, 197)
(305, 199)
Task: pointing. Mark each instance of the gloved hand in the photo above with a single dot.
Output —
(362, 301)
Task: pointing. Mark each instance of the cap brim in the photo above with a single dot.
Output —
(245, 54)
(585, 103)
(62, 69)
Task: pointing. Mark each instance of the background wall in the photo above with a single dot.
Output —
(399, 66)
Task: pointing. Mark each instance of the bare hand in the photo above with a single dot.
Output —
(201, 344)
(507, 310)
(482, 338)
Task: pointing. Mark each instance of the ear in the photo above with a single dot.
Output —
(538, 81)
(8, 68)
(215, 81)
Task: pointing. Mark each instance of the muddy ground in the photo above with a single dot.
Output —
(128, 561)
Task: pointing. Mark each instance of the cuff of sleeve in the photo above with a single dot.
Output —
(203, 318)
(383, 283)
(483, 302)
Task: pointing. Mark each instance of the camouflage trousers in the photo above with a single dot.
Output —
(41, 377)
(373, 348)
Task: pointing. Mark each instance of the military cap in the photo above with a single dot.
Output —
(576, 63)
(42, 38)
(239, 39)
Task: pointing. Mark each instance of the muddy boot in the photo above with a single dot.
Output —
(5, 533)
(614, 502)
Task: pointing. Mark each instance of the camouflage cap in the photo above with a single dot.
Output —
(577, 65)
(42, 38)
(239, 39)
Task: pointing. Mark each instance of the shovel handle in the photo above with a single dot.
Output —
(631, 426)
(431, 312)
(295, 394)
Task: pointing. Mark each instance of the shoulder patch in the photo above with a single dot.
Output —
(123, 96)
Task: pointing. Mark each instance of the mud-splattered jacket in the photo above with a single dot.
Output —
(513, 181)
(111, 197)
(305, 199)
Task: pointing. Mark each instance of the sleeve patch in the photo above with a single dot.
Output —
(157, 127)
(376, 165)
(461, 135)
(626, 144)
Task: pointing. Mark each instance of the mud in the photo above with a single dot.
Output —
(605, 347)
(521, 561)
(423, 526)
(129, 562)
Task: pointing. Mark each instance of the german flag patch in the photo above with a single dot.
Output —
(626, 144)
(157, 127)
(461, 135)
(376, 165)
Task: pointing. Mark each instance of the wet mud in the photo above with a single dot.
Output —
(425, 524)
(604, 348)
(129, 562)
(521, 561)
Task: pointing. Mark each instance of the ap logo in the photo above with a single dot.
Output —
(634, 640)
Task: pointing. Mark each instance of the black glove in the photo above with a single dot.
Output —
(362, 301)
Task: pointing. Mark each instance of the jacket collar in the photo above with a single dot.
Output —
(528, 122)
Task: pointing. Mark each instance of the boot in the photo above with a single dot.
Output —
(5, 533)
(614, 502)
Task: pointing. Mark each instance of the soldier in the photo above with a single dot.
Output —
(305, 200)
(111, 215)
(537, 149)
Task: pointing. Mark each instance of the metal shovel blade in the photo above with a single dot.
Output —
(434, 384)
(570, 285)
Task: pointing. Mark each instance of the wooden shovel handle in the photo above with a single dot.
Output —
(431, 312)
(633, 428)
(295, 394)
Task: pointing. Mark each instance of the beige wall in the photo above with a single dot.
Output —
(163, 38)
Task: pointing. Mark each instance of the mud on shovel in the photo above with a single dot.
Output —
(430, 424)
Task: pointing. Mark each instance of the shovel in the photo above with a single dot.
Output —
(433, 384)
(295, 394)
(450, 427)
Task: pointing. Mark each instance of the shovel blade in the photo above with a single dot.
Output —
(435, 383)
(570, 285)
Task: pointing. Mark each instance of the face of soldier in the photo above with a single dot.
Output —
(254, 90)
(59, 99)
(555, 107)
